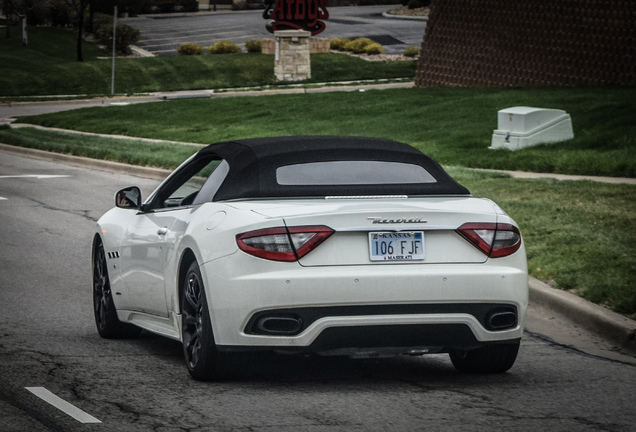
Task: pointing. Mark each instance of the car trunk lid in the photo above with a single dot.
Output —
(387, 231)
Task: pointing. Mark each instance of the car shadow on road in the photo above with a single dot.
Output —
(268, 367)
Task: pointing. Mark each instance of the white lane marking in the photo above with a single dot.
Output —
(37, 176)
(62, 405)
(3, 199)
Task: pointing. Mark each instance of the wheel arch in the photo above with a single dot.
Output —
(97, 239)
(187, 258)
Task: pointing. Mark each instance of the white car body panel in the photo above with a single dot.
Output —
(237, 298)
(353, 219)
(240, 285)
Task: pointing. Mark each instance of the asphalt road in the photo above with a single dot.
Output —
(162, 34)
(48, 342)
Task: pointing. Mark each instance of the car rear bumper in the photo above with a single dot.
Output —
(320, 309)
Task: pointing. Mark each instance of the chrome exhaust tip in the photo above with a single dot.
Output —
(278, 325)
(501, 319)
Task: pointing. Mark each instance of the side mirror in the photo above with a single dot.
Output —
(128, 198)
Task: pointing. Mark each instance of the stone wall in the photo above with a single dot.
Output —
(268, 46)
(316, 45)
(292, 61)
(529, 43)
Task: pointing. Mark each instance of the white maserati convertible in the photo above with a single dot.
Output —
(327, 245)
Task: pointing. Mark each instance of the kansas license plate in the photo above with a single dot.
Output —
(396, 246)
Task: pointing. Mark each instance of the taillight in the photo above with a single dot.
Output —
(495, 240)
(283, 243)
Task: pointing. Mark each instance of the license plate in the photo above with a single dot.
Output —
(396, 246)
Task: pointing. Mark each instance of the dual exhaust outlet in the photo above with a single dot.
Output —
(292, 324)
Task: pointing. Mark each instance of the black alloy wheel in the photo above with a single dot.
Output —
(203, 360)
(108, 325)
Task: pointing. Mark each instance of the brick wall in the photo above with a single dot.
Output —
(529, 43)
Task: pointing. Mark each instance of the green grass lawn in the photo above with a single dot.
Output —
(578, 234)
(47, 66)
(453, 125)
(133, 152)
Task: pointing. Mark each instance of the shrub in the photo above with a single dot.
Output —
(189, 5)
(36, 12)
(166, 6)
(60, 14)
(239, 4)
(374, 48)
(375, 2)
(126, 36)
(411, 52)
(338, 44)
(358, 45)
(190, 49)
(253, 46)
(100, 20)
(224, 47)
(414, 4)
(131, 7)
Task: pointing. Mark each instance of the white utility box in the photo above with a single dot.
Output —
(520, 127)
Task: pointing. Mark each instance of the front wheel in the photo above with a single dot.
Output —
(203, 360)
(487, 359)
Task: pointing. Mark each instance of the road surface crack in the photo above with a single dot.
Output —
(81, 213)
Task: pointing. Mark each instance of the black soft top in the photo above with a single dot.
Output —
(253, 164)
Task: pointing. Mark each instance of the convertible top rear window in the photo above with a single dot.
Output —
(352, 173)
(322, 166)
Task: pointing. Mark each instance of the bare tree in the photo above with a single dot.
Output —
(79, 7)
(8, 8)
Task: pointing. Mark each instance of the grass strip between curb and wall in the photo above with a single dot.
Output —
(452, 125)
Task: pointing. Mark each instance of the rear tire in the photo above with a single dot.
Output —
(108, 325)
(487, 359)
(203, 360)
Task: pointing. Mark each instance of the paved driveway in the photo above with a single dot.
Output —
(162, 34)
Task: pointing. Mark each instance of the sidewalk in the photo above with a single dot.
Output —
(10, 110)
(533, 175)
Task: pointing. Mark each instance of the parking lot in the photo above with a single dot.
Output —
(162, 34)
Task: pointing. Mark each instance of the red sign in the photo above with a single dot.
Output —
(297, 15)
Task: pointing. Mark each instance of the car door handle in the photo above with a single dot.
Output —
(162, 231)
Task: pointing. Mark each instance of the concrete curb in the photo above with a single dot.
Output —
(74, 132)
(406, 17)
(612, 326)
(76, 99)
(532, 175)
(140, 51)
(84, 162)
(343, 86)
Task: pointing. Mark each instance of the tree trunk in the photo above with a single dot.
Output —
(91, 14)
(80, 30)
(6, 8)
